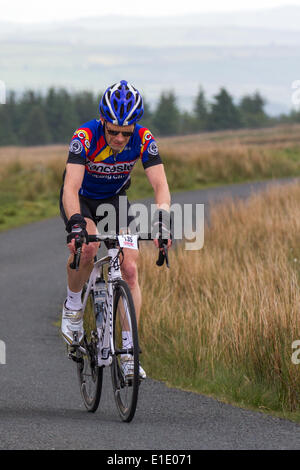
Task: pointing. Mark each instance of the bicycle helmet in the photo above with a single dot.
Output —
(121, 104)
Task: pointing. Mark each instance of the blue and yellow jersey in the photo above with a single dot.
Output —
(107, 174)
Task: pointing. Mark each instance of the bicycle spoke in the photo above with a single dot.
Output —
(125, 388)
(90, 375)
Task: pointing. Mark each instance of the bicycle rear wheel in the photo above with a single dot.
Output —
(124, 319)
(89, 374)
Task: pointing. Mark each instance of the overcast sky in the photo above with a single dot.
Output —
(38, 11)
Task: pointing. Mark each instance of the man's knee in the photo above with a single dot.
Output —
(130, 272)
(89, 253)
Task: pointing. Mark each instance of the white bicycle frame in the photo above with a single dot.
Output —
(105, 345)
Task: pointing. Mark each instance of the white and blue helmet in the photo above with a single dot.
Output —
(121, 104)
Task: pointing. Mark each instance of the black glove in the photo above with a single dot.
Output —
(161, 225)
(76, 227)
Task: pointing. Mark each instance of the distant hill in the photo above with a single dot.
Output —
(242, 51)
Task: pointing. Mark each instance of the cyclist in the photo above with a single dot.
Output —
(102, 154)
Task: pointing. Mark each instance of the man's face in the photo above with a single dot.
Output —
(119, 141)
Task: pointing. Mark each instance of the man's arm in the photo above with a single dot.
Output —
(157, 178)
(72, 184)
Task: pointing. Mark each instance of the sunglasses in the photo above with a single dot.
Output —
(124, 133)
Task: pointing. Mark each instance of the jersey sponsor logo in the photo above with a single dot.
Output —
(85, 137)
(146, 137)
(81, 134)
(119, 168)
(152, 148)
(75, 147)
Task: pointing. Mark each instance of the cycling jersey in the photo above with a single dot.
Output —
(107, 174)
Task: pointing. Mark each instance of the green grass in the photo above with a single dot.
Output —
(20, 213)
(237, 390)
(235, 387)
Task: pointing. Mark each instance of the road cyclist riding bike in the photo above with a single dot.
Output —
(102, 154)
(108, 312)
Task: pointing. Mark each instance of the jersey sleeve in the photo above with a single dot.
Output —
(149, 149)
(80, 146)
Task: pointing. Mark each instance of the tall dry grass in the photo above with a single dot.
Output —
(228, 157)
(224, 318)
(32, 155)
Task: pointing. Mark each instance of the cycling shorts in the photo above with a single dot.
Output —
(89, 207)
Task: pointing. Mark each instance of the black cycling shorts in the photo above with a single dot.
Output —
(88, 209)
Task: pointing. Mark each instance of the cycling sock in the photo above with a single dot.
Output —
(126, 339)
(73, 300)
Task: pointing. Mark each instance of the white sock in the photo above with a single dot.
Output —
(126, 339)
(73, 300)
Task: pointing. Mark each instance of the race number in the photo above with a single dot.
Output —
(128, 241)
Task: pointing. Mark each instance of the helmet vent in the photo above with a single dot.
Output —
(109, 114)
(115, 103)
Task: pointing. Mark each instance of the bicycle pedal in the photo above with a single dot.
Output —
(74, 358)
(71, 349)
(71, 356)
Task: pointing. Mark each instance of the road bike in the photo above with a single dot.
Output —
(108, 310)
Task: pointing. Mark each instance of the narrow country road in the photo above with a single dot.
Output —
(40, 403)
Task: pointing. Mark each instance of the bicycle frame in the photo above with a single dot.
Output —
(106, 346)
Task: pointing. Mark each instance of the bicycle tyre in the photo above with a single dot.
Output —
(125, 394)
(89, 374)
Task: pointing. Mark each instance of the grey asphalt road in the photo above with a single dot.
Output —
(40, 403)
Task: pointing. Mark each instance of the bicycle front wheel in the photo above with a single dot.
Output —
(89, 374)
(125, 381)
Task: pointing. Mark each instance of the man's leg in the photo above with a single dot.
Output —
(72, 309)
(130, 275)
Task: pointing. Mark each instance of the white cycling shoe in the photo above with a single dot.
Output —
(127, 366)
(71, 322)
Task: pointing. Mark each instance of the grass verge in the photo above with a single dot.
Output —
(223, 319)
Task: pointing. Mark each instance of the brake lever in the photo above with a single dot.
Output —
(77, 255)
(163, 255)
